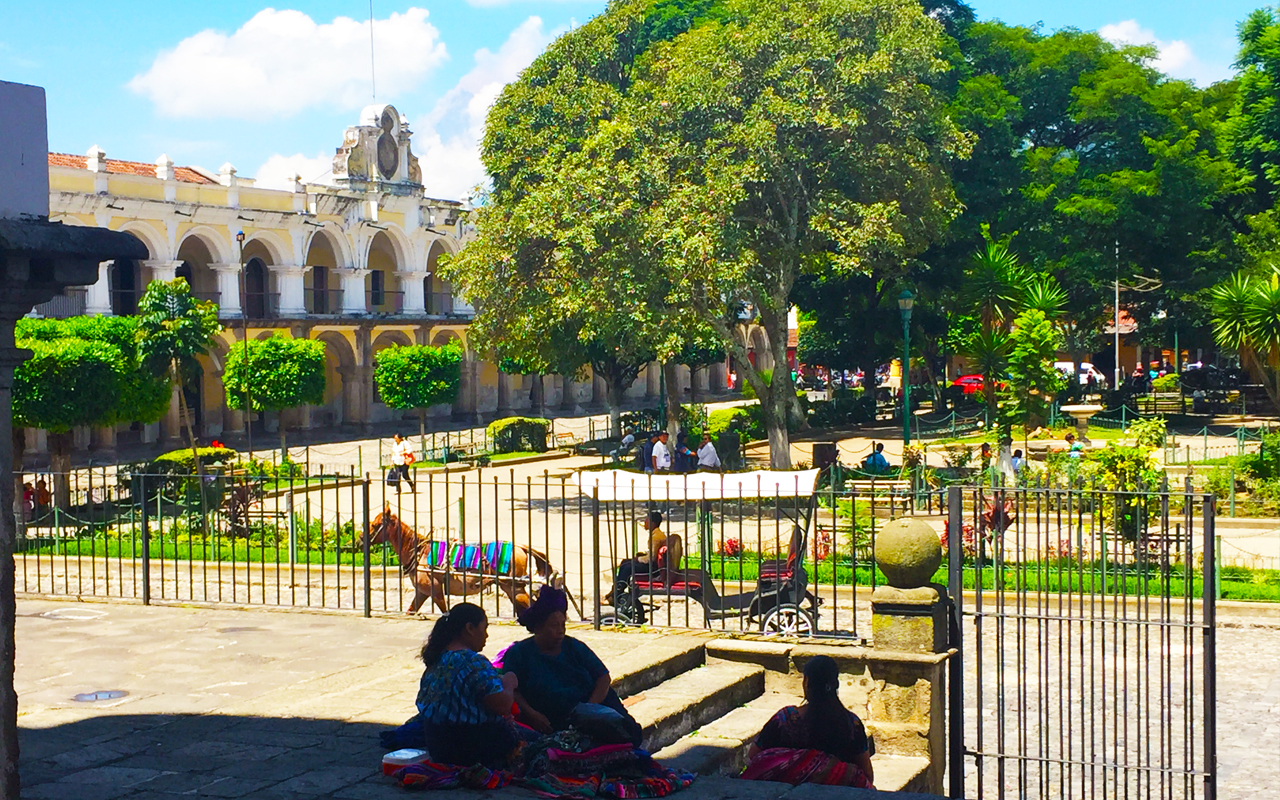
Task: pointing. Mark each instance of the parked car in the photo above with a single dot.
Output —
(971, 384)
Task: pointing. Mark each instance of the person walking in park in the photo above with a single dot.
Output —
(708, 458)
(402, 458)
(661, 453)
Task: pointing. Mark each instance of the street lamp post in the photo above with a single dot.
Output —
(905, 301)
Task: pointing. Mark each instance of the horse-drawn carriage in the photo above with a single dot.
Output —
(779, 603)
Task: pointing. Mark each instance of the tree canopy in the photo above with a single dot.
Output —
(418, 376)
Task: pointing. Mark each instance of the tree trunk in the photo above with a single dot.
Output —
(779, 396)
(284, 447)
(60, 463)
(536, 396)
(673, 398)
(613, 399)
(422, 431)
(176, 377)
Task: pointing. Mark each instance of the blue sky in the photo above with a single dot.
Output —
(271, 88)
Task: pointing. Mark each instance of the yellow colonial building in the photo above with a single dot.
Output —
(352, 264)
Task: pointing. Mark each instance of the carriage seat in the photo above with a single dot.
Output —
(669, 578)
(782, 570)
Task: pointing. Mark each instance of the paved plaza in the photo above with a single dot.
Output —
(231, 703)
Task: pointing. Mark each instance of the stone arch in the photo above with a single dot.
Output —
(445, 335)
(387, 254)
(438, 292)
(157, 248)
(277, 250)
(342, 395)
(758, 348)
(197, 251)
(324, 254)
(215, 242)
(337, 243)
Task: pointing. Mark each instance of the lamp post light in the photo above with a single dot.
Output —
(244, 340)
(905, 301)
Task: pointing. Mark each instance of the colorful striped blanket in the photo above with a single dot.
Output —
(611, 771)
(494, 558)
(788, 765)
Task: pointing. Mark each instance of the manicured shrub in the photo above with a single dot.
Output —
(518, 434)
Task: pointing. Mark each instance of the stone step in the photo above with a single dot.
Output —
(720, 747)
(695, 698)
(653, 663)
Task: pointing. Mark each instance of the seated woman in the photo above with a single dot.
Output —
(819, 742)
(557, 672)
(465, 703)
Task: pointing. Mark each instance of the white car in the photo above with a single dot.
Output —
(1068, 368)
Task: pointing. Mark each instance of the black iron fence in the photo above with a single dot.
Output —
(1084, 627)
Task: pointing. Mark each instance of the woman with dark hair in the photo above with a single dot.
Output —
(465, 703)
(819, 742)
(557, 672)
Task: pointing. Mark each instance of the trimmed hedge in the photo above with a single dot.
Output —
(743, 419)
(179, 462)
(516, 434)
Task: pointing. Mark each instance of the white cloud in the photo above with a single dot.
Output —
(1175, 58)
(281, 62)
(278, 171)
(448, 139)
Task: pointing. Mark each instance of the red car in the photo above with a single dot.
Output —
(972, 384)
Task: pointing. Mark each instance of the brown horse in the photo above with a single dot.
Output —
(438, 583)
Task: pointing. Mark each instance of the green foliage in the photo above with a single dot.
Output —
(1149, 432)
(743, 419)
(749, 391)
(516, 434)
(277, 373)
(418, 376)
(138, 395)
(1246, 318)
(846, 407)
(181, 462)
(1134, 476)
(68, 383)
(1033, 380)
(174, 326)
(1264, 464)
(1165, 383)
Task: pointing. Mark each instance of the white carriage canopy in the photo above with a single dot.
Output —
(622, 486)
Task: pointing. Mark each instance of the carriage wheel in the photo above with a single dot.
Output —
(788, 619)
(610, 617)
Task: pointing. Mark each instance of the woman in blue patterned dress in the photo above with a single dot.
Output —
(465, 702)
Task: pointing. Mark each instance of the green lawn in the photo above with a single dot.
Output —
(223, 551)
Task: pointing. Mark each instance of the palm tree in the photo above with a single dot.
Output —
(1246, 318)
(995, 285)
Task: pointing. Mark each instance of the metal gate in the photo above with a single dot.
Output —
(1084, 629)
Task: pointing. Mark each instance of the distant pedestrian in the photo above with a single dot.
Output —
(876, 463)
(661, 457)
(1017, 462)
(43, 498)
(1074, 449)
(708, 458)
(644, 457)
(402, 458)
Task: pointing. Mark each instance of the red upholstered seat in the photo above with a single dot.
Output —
(680, 586)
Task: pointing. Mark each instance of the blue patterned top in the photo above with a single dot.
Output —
(453, 691)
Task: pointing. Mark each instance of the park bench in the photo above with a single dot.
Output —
(567, 441)
(891, 486)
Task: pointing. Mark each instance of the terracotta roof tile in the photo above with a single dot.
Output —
(183, 174)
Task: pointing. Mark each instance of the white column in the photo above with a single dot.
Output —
(228, 289)
(162, 270)
(415, 304)
(353, 300)
(289, 280)
(97, 300)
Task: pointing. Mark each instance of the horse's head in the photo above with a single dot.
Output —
(383, 526)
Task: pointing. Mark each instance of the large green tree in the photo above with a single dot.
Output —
(804, 140)
(275, 374)
(418, 377)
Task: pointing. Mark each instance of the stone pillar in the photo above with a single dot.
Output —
(228, 289)
(291, 284)
(97, 300)
(465, 408)
(909, 615)
(162, 270)
(104, 440)
(353, 299)
(652, 378)
(504, 394)
(415, 299)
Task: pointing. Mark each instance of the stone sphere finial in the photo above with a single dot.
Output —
(908, 552)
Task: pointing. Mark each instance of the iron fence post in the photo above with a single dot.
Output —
(1209, 620)
(146, 541)
(955, 677)
(595, 553)
(368, 589)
